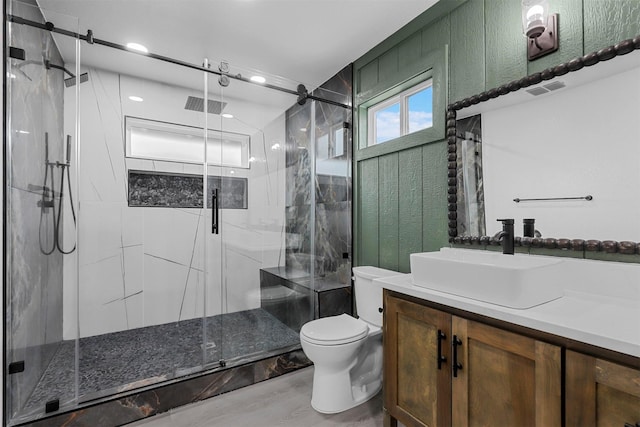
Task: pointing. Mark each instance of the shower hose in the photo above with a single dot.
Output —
(45, 203)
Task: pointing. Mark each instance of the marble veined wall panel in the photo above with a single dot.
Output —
(110, 267)
(299, 169)
(34, 129)
(333, 233)
(331, 175)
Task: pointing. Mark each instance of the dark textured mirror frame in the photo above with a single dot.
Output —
(608, 246)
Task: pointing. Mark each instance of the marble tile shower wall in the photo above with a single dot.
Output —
(332, 183)
(142, 266)
(35, 294)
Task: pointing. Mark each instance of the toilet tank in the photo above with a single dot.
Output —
(368, 293)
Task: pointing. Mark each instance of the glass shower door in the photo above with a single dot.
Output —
(212, 241)
(263, 304)
(143, 224)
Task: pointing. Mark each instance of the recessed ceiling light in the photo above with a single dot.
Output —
(258, 79)
(252, 159)
(136, 98)
(227, 116)
(232, 172)
(275, 146)
(138, 47)
(24, 132)
(303, 129)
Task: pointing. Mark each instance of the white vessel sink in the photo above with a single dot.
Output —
(514, 281)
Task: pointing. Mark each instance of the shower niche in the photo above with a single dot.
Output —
(128, 272)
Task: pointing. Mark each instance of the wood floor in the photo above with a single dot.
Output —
(284, 401)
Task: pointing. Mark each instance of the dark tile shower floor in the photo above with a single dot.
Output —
(119, 361)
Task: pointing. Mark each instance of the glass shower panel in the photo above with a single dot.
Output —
(40, 226)
(141, 269)
(332, 192)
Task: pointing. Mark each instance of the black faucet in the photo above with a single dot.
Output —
(529, 227)
(506, 236)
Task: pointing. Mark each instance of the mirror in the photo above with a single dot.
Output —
(561, 146)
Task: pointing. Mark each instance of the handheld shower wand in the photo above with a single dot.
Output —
(68, 150)
(66, 166)
(47, 202)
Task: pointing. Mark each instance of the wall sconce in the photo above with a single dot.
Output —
(540, 27)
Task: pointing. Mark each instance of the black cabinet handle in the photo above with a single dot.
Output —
(214, 214)
(456, 366)
(441, 358)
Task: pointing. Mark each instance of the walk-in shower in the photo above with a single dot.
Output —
(164, 221)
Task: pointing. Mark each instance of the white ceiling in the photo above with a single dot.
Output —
(288, 41)
(306, 41)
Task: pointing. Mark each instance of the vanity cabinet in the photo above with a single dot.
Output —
(443, 370)
(600, 393)
(417, 381)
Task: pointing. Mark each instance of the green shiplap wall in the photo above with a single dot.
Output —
(410, 201)
(467, 47)
(367, 238)
(401, 196)
(505, 48)
(388, 212)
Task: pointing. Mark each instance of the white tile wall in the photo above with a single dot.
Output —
(102, 293)
(145, 266)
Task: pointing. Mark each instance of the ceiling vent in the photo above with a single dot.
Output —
(539, 90)
(555, 85)
(197, 104)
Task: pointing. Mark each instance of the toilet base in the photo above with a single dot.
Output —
(351, 404)
(338, 390)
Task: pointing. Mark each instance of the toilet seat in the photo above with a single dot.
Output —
(334, 330)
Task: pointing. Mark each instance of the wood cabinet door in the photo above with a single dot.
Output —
(505, 379)
(416, 391)
(600, 393)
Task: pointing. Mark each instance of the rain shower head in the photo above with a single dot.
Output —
(71, 81)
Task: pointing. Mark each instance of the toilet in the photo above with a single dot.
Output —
(347, 352)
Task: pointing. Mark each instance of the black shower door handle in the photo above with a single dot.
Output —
(214, 215)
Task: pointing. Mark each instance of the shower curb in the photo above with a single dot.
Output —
(137, 406)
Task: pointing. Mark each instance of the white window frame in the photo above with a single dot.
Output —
(403, 99)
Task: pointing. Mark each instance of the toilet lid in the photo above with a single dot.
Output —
(334, 330)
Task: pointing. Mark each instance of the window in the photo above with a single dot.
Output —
(154, 140)
(402, 114)
(331, 145)
(338, 141)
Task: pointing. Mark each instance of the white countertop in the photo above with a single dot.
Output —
(611, 322)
